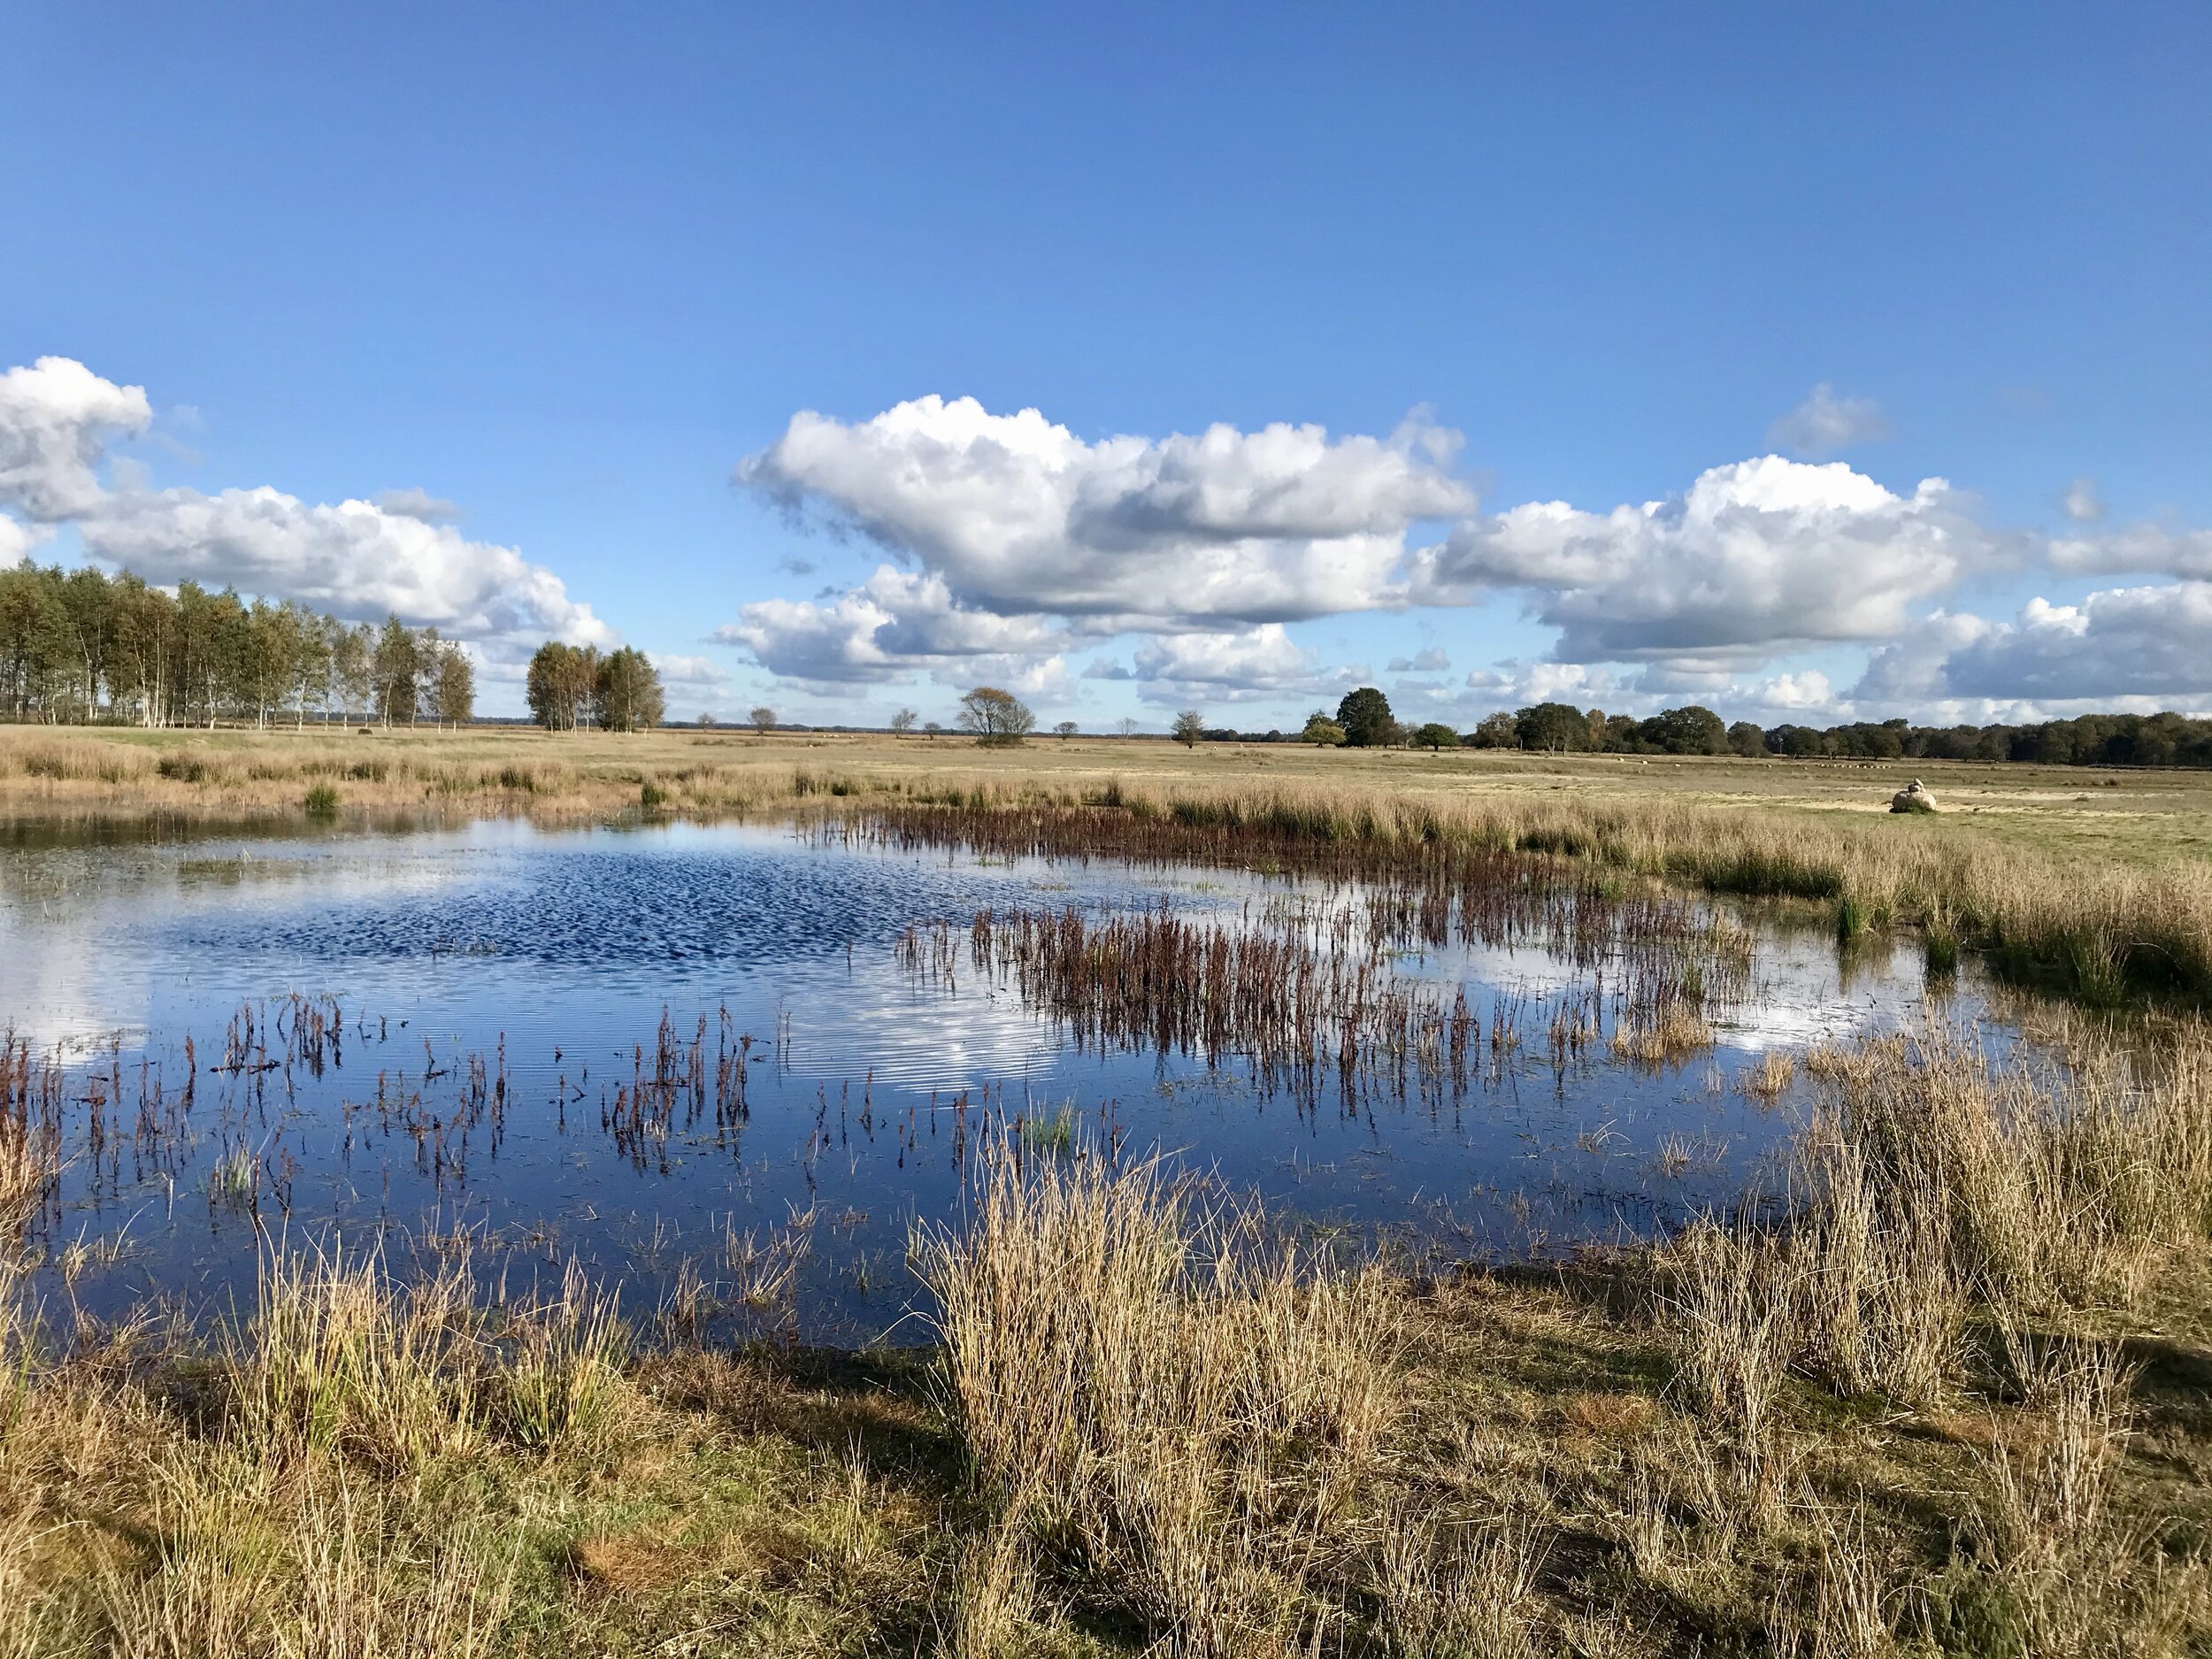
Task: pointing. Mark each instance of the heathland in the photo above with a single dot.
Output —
(1953, 1399)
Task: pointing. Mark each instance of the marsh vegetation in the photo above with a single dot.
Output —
(1878, 1328)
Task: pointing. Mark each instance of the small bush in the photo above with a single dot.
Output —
(322, 799)
(184, 768)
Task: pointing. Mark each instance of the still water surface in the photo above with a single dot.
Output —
(492, 994)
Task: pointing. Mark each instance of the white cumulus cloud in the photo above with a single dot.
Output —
(1244, 665)
(1019, 516)
(2122, 642)
(676, 669)
(1806, 691)
(358, 558)
(418, 503)
(352, 557)
(1756, 557)
(55, 419)
(1015, 540)
(2141, 549)
(17, 539)
(895, 623)
(1430, 660)
(1517, 683)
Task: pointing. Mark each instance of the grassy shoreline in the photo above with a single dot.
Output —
(1957, 1402)
(2104, 917)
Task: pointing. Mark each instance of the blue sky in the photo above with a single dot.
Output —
(576, 272)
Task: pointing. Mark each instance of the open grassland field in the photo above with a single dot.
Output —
(2146, 817)
(1953, 1396)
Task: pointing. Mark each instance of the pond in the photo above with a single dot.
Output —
(728, 1068)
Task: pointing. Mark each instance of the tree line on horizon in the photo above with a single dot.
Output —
(2087, 740)
(78, 646)
(1363, 719)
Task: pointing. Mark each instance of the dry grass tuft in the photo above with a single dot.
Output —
(1668, 1037)
(1471, 1591)
(1157, 1385)
(1769, 1080)
(994, 1592)
(30, 1164)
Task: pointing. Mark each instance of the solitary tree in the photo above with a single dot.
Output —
(1322, 731)
(903, 722)
(1364, 715)
(1190, 725)
(763, 719)
(1436, 736)
(351, 682)
(1126, 726)
(930, 729)
(1496, 731)
(396, 662)
(453, 686)
(561, 680)
(1553, 725)
(998, 719)
(1691, 730)
(1066, 729)
(628, 696)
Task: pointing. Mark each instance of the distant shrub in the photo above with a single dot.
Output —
(183, 768)
(322, 799)
(650, 795)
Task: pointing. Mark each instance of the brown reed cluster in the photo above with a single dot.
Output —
(1300, 1013)
(674, 1090)
(1306, 996)
(31, 1100)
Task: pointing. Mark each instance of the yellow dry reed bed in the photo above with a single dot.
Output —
(1147, 1382)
